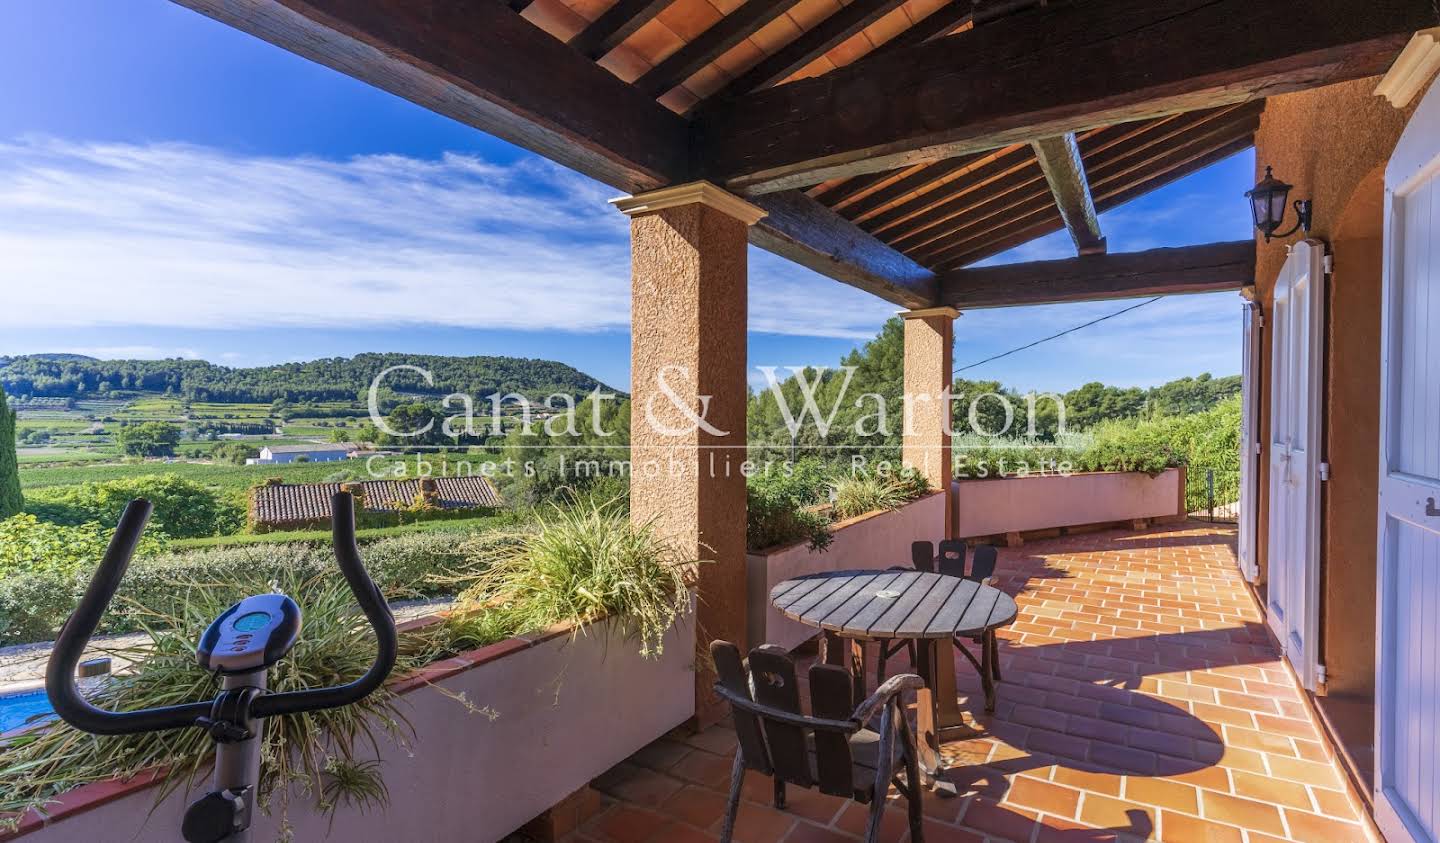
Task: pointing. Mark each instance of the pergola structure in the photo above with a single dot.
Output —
(888, 144)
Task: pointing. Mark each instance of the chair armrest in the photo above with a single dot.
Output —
(892, 688)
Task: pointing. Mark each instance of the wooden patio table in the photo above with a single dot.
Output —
(929, 608)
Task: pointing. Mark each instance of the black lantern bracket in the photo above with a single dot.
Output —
(1268, 203)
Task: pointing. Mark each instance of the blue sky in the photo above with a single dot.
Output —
(171, 187)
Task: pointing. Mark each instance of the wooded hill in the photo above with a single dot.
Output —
(329, 379)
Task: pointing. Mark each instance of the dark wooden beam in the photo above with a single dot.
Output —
(824, 37)
(1059, 158)
(481, 64)
(1046, 72)
(1015, 201)
(909, 184)
(614, 25)
(1021, 231)
(1190, 269)
(918, 211)
(810, 234)
(710, 45)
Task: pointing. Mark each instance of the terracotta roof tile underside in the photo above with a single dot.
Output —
(284, 503)
(943, 214)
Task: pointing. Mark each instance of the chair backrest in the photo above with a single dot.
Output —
(922, 556)
(774, 735)
(952, 557)
(982, 564)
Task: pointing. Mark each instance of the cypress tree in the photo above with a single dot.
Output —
(11, 500)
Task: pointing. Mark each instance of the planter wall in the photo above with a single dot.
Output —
(564, 711)
(997, 506)
(876, 540)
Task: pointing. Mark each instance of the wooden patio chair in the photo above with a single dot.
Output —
(832, 749)
(951, 562)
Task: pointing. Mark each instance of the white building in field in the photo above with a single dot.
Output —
(279, 454)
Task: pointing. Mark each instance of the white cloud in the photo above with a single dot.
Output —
(181, 236)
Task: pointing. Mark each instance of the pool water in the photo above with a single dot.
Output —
(17, 709)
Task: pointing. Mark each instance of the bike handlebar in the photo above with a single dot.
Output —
(74, 709)
(377, 611)
(60, 686)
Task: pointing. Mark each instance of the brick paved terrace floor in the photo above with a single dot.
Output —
(1142, 700)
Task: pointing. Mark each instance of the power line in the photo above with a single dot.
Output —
(1061, 334)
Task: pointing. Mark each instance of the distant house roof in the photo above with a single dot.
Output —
(318, 447)
(281, 503)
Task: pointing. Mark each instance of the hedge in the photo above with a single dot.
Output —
(33, 606)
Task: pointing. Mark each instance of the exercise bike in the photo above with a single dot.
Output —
(239, 646)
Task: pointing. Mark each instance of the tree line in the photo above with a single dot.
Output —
(328, 379)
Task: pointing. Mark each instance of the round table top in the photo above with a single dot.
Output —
(893, 604)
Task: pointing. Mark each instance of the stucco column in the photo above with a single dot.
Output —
(688, 391)
(929, 367)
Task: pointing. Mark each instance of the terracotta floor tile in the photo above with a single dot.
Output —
(936, 832)
(622, 823)
(894, 824)
(697, 806)
(810, 833)
(677, 832)
(1307, 826)
(1271, 789)
(1044, 797)
(1102, 783)
(1305, 772)
(760, 824)
(1162, 794)
(661, 755)
(1179, 828)
(1246, 813)
(1009, 822)
(1332, 803)
(704, 768)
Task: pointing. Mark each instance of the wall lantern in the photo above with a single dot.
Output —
(1267, 205)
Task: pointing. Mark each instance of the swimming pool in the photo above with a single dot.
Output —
(17, 709)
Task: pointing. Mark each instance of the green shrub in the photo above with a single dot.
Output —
(578, 564)
(183, 508)
(856, 493)
(780, 506)
(33, 606)
(31, 546)
(981, 457)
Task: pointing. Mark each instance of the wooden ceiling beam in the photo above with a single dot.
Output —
(468, 61)
(710, 45)
(1212, 267)
(910, 184)
(955, 231)
(990, 224)
(836, 193)
(1059, 159)
(1168, 169)
(810, 234)
(1042, 73)
(950, 198)
(614, 25)
(812, 44)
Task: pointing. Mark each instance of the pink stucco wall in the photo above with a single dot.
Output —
(1016, 504)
